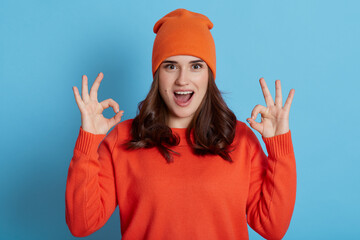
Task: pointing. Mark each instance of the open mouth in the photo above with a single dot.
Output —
(183, 98)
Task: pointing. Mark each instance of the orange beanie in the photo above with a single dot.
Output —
(182, 32)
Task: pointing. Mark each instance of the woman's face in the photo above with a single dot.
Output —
(183, 82)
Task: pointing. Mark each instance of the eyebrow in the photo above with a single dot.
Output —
(195, 61)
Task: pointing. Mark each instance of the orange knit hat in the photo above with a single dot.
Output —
(182, 32)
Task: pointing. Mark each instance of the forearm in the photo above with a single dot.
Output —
(271, 208)
(89, 197)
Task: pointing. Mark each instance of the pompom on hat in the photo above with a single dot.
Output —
(182, 32)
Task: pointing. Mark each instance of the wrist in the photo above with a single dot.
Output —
(281, 132)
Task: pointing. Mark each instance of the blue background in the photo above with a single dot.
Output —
(46, 46)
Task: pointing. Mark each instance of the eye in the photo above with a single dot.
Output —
(197, 66)
(170, 66)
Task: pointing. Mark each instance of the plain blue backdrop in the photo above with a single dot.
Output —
(46, 46)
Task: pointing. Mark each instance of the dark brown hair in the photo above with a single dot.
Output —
(213, 125)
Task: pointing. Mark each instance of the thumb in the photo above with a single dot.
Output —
(255, 125)
(116, 119)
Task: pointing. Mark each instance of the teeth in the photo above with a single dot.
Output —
(188, 92)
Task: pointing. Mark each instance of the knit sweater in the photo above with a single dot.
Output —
(194, 197)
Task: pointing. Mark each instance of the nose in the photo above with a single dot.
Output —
(182, 78)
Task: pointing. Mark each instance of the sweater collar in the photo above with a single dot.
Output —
(181, 132)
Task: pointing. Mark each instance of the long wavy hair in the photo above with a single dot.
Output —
(212, 127)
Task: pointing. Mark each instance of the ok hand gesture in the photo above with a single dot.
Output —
(92, 119)
(274, 117)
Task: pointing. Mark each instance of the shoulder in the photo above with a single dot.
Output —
(240, 126)
(244, 133)
(242, 130)
(122, 130)
(124, 125)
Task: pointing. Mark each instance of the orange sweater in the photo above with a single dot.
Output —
(192, 198)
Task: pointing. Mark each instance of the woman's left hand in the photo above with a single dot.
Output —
(274, 117)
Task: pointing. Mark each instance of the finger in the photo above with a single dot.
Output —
(278, 94)
(255, 125)
(78, 99)
(95, 87)
(289, 99)
(84, 90)
(268, 99)
(110, 103)
(116, 119)
(258, 109)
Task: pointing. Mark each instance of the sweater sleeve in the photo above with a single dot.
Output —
(90, 196)
(272, 189)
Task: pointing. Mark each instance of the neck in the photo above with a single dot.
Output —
(176, 122)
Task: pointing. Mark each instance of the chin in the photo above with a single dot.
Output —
(183, 113)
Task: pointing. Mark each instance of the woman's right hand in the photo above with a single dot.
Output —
(92, 119)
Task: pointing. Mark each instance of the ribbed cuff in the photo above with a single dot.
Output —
(88, 142)
(279, 145)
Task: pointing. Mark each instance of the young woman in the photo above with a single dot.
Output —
(184, 167)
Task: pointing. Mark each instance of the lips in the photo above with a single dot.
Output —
(183, 98)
